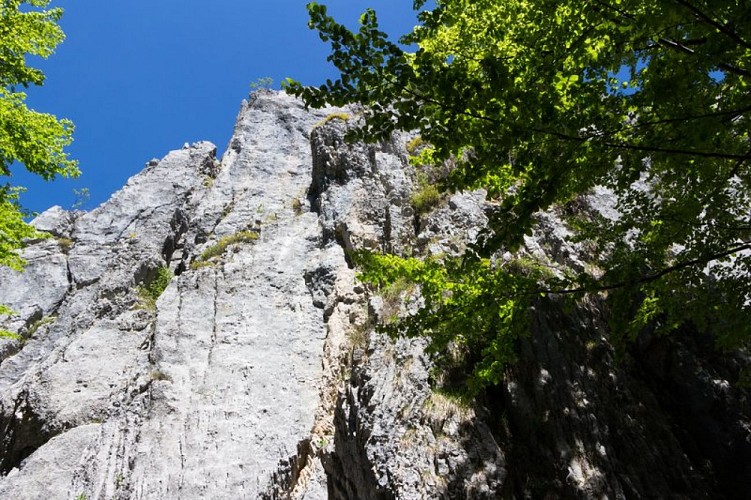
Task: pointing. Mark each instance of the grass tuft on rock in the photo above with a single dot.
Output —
(333, 116)
(5, 334)
(220, 246)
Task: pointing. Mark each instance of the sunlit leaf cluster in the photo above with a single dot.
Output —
(27, 137)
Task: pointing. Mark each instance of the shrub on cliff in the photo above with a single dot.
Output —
(150, 292)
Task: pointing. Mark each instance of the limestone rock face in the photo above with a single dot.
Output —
(204, 394)
(257, 373)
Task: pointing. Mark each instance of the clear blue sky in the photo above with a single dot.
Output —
(142, 77)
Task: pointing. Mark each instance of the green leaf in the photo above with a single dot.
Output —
(35, 140)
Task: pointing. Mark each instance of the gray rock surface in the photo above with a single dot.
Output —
(205, 395)
(258, 373)
(393, 436)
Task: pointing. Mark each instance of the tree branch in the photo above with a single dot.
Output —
(683, 152)
(622, 12)
(672, 44)
(651, 277)
(733, 113)
(646, 149)
(723, 29)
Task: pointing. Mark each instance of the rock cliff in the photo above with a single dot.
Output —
(257, 372)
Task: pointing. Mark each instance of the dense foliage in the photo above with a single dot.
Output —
(35, 140)
(538, 102)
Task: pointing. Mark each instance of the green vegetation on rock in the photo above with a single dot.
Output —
(5, 334)
(414, 145)
(150, 292)
(333, 116)
(220, 246)
(426, 197)
(265, 82)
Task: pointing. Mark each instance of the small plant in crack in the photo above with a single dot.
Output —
(6, 334)
(442, 407)
(199, 264)
(394, 297)
(297, 206)
(65, 244)
(425, 198)
(430, 174)
(228, 208)
(359, 335)
(149, 293)
(36, 325)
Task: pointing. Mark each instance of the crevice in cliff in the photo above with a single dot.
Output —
(174, 244)
(387, 243)
(349, 469)
(22, 432)
(31, 322)
(291, 473)
(214, 326)
(69, 275)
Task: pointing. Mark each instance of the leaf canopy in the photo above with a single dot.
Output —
(540, 101)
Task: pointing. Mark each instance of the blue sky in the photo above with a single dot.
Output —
(142, 77)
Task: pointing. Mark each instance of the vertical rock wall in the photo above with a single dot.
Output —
(258, 374)
(204, 394)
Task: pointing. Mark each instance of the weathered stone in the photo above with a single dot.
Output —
(55, 220)
(258, 373)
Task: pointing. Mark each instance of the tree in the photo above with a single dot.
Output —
(538, 102)
(35, 140)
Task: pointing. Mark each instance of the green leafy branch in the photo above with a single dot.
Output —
(476, 308)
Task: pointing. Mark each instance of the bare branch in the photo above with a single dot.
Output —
(723, 29)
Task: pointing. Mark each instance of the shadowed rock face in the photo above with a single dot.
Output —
(257, 374)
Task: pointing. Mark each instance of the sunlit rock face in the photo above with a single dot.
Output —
(257, 372)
